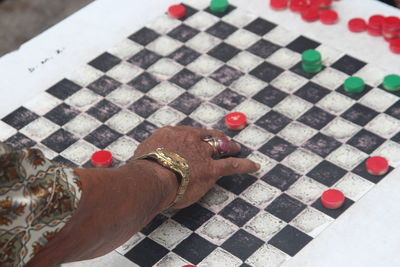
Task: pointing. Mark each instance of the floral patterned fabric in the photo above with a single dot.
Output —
(37, 198)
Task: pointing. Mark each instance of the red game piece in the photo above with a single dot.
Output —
(278, 4)
(391, 28)
(189, 266)
(375, 25)
(357, 25)
(177, 11)
(328, 16)
(377, 165)
(332, 199)
(395, 46)
(102, 158)
(235, 121)
(298, 5)
(310, 14)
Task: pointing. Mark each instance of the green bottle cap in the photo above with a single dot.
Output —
(311, 57)
(354, 85)
(392, 82)
(219, 6)
(312, 68)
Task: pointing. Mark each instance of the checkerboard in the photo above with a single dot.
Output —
(304, 129)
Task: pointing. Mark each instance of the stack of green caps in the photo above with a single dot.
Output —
(392, 82)
(354, 85)
(311, 61)
(219, 6)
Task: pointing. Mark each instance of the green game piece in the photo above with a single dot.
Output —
(311, 69)
(219, 6)
(392, 82)
(354, 85)
(311, 57)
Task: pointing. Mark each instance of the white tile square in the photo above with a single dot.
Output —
(128, 245)
(201, 20)
(341, 129)
(163, 24)
(170, 260)
(205, 65)
(6, 131)
(164, 68)
(297, 133)
(329, 54)
(335, 103)
(164, 45)
(239, 18)
(216, 199)
(197, 4)
(371, 75)
(124, 121)
(293, 106)
(281, 36)
(42, 103)
(245, 61)
(82, 125)
(220, 258)
(242, 39)
(83, 99)
(266, 163)
(264, 225)
(253, 136)
(384, 125)
(125, 49)
(47, 152)
(124, 95)
(267, 255)
(260, 194)
(203, 42)
(248, 85)
(330, 78)
(165, 92)
(288, 82)
(253, 109)
(312, 222)
(301, 160)
(165, 116)
(391, 151)
(39, 129)
(378, 100)
(123, 148)
(353, 186)
(206, 88)
(85, 75)
(170, 234)
(347, 157)
(284, 58)
(79, 153)
(124, 72)
(208, 113)
(217, 230)
(306, 190)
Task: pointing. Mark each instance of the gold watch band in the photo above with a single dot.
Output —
(175, 163)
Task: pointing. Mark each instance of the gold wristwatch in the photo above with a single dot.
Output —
(175, 163)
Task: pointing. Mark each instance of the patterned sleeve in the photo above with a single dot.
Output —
(37, 198)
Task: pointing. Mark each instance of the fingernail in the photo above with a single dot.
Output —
(258, 166)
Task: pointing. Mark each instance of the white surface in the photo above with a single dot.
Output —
(365, 236)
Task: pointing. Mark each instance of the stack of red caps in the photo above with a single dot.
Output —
(375, 23)
(391, 28)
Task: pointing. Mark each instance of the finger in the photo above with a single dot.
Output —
(231, 166)
(233, 148)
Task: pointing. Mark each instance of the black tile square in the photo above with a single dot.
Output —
(312, 92)
(221, 29)
(290, 240)
(193, 216)
(154, 224)
(322, 145)
(281, 177)
(224, 52)
(334, 213)
(186, 103)
(19, 141)
(103, 110)
(326, 173)
(396, 138)
(270, 96)
(302, 44)
(244, 152)
(190, 11)
(144, 82)
(183, 33)
(20, 118)
(277, 148)
(285, 207)
(145, 106)
(239, 212)
(144, 59)
(143, 131)
(226, 75)
(316, 118)
(348, 64)
(359, 114)
(60, 140)
(236, 183)
(221, 14)
(105, 62)
(62, 114)
(396, 93)
(298, 69)
(190, 122)
(194, 248)
(263, 48)
(228, 99)
(184, 55)
(266, 72)
(260, 26)
(244, 265)
(394, 110)
(104, 85)
(185, 78)
(361, 170)
(144, 36)
(102, 136)
(64, 162)
(273, 121)
(146, 253)
(242, 244)
(63, 89)
(366, 141)
(355, 96)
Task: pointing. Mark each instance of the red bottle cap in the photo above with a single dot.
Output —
(357, 25)
(235, 120)
(376, 21)
(391, 24)
(177, 11)
(328, 16)
(102, 158)
(278, 4)
(332, 199)
(395, 46)
(377, 165)
(310, 14)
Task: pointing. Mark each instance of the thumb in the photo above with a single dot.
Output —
(231, 166)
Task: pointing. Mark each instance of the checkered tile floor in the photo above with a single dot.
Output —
(304, 129)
